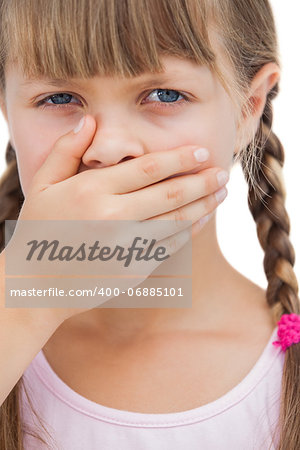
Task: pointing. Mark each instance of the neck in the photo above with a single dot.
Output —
(214, 281)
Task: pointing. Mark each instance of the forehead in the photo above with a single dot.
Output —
(174, 69)
(172, 65)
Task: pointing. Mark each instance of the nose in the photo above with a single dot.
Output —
(113, 142)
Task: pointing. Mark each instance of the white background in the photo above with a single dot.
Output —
(236, 228)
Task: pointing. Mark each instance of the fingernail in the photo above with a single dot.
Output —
(79, 126)
(204, 219)
(221, 194)
(222, 177)
(201, 154)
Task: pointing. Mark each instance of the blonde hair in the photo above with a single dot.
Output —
(85, 38)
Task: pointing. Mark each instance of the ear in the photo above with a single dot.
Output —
(261, 85)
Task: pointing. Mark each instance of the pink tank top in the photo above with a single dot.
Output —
(242, 419)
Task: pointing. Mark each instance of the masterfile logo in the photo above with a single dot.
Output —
(72, 263)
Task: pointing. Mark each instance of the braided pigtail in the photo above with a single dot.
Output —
(266, 201)
(11, 195)
(11, 199)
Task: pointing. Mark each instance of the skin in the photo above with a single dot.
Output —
(127, 128)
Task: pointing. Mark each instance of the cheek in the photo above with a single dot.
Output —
(211, 125)
(32, 148)
(220, 133)
(29, 160)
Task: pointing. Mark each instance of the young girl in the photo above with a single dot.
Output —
(133, 89)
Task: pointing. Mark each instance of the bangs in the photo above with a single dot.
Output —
(60, 39)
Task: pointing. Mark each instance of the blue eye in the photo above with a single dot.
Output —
(166, 95)
(166, 98)
(57, 100)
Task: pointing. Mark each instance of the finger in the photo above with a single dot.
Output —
(172, 243)
(175, 242)
(191, 213)
(145, 170)
(64, 159)
(163, 226)
(171, 194)
(196, 210)
(199, 224)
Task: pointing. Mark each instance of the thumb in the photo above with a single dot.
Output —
(64, 159)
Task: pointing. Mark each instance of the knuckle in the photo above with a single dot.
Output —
(179, 215)
(205, 185)
(206, 182)
(206, 207)
(150, 167)
(111, 211)
(183, 160)
(210, 203)
(175, 193)
(82, 192)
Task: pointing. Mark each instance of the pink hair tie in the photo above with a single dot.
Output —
(288, 331)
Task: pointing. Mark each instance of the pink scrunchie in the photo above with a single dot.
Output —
(288, 331)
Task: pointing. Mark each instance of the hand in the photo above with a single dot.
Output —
(136, 190)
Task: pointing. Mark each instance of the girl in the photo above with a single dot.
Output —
(144, 83)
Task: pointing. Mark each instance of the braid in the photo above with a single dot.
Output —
(272, 220)
(273, 227)
(11, 199)
(11, 195)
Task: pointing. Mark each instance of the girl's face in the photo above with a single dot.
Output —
(149, 113)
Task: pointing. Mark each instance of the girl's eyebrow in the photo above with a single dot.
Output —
(56, 82)
(134, 82)
(156, 79)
